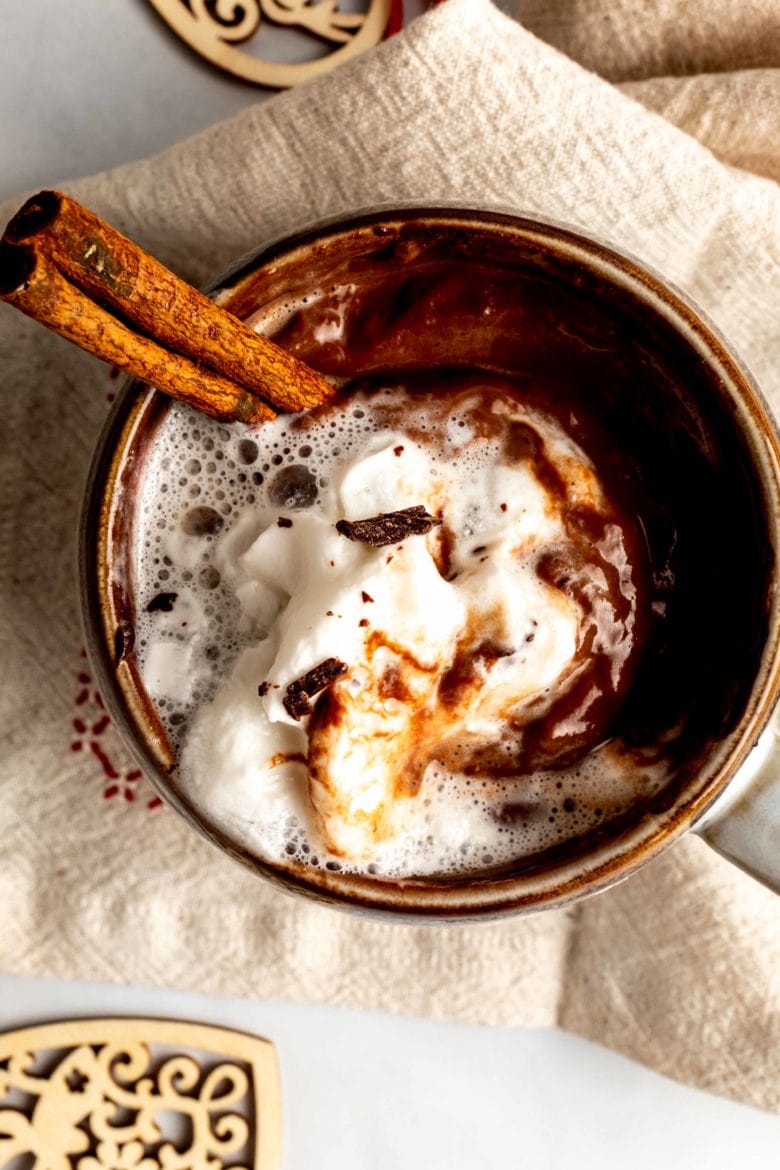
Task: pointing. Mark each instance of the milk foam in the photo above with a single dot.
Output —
(257, 602)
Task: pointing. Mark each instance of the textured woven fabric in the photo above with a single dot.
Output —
(678, 967)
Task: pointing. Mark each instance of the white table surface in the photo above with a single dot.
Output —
(361, 1091)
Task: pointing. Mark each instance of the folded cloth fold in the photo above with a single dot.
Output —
(678, 966)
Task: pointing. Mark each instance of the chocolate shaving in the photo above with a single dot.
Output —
(284, 522)
(263, 689)
(390, 527)
(296, 701)
(297, 705)
(162, 603)
(366, 596)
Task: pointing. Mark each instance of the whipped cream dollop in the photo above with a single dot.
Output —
(443, 641)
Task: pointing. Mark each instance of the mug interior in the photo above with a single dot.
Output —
(682, 433)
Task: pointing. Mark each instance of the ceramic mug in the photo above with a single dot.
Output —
(651, 358)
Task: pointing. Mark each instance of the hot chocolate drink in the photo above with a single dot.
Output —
(472, 672)
(478, 614)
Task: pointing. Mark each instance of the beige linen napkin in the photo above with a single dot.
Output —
(679, 966)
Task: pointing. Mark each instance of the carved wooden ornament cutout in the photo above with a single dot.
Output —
(138, 1094)
(215, 29)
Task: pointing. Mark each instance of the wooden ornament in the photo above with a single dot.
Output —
(215, 29)
(138, 1094)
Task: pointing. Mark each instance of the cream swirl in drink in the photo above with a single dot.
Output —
(404, 700)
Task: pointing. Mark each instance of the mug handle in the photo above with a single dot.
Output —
(743, 824)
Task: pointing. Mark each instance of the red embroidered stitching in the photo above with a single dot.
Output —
(94, 730)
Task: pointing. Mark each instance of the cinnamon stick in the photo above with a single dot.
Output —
(121, 277)
(32, 283)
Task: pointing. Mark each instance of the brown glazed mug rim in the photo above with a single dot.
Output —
(468, 897)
